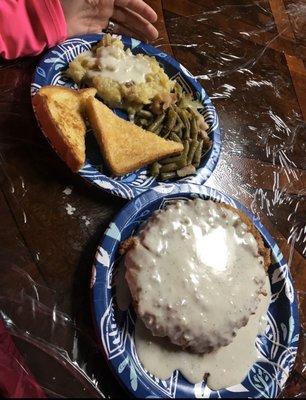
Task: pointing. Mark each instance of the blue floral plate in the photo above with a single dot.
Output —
(278, 346)
(50, 71)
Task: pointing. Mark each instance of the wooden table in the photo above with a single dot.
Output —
(250, 57)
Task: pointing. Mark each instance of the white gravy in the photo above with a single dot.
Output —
(226, 366)
(121, 66)
(196, 275)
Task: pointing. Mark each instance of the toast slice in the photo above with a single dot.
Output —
(125, 146)
(60, 114)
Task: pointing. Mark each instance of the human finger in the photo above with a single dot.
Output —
(134, 21)
(139, 7)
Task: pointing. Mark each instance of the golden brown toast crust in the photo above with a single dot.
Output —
(72, 155)
(126, 147)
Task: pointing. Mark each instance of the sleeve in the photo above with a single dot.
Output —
(29, 26)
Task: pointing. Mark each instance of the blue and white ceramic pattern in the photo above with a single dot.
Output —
(278, 346)
(50, 71)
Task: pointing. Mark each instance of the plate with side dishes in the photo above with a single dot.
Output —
(52, 70)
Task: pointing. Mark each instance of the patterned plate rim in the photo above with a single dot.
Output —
(105, 261)
(67, 51)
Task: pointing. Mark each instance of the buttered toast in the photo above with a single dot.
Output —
(126, 147)
(60, 114)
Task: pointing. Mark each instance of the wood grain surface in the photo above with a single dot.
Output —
(250, 56)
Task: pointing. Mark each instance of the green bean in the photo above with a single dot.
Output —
(197, 155)
(142, 122)
(179, 160)
(186, 148)
(194, 128)
(192, 150)
(179, 133)
(148, 122)
(164, 134)
(173, 166)
(167, 175)
(174, 159)
(185, 171)
(202, 125)
(158, 130)
(193, 113)
(171, 120)
(178, 127)
(186, 134)
(189, 114)
(168, 167)
(174, 137)
(203, 134)
(183, 115)
(155, 167)
(156, 123)
(144, 114)
(179, 124)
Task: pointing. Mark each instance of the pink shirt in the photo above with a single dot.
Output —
(27, 27)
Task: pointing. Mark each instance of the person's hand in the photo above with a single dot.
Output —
(132, 17)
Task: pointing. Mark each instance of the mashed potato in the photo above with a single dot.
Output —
(122, 79)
